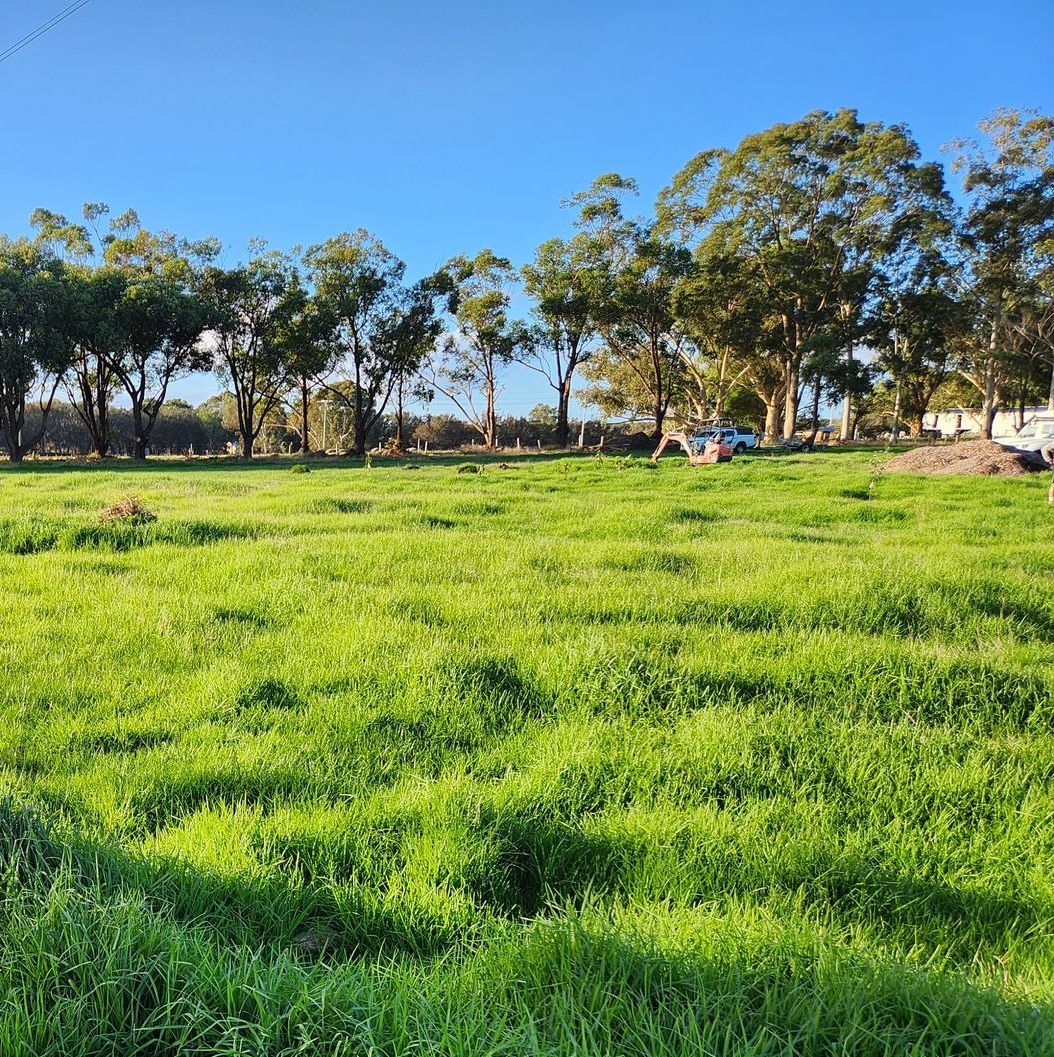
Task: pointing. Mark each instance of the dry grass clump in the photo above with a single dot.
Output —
(982, 458)
(128, 510)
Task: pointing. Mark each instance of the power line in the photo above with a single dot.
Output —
(43, 28)
(51, 23)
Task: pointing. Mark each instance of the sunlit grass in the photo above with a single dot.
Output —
(579, 756)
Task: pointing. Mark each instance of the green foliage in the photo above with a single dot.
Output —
(635, 272)
(253, 308)
(478, 292)
(34, 353)
(1006, 245)
(382, 329)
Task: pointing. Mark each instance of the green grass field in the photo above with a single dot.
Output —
(575, 757)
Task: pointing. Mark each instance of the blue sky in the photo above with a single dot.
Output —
(444, 128)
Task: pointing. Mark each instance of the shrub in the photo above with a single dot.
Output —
(300, 467)
(469, 467)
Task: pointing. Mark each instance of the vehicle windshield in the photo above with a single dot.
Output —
(1043, 427)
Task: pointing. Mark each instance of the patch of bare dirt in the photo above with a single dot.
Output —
(981, 458)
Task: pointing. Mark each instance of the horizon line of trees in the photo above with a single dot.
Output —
(211, 428)
(753, 284)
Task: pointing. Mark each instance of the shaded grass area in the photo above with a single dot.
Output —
(569, 757)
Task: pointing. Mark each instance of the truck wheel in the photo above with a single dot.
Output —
(740, 447)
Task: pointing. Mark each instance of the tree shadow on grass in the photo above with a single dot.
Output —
(211, 960)
(248, 911)
(534, 864)
(958, 920)
(736, 993)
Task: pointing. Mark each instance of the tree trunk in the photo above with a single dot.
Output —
(815, 412)
(305, 434)
(845, 429)
(658, 404)
(91, 406)
(359, 433)
(1050, 391)
(918, 424)
(490, 419)
(990, 394)
(563, 427)
(15, 451)
(989, 406)
(790, 406)
(139, 438)
(854, 425)
(12, 435)
(772, 420)
(894, 432)
(400, 424)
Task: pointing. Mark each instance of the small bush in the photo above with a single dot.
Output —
(300, 467)
(469, 467)
(127, 511)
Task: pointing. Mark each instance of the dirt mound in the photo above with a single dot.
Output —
(130, 510)
(982, 458)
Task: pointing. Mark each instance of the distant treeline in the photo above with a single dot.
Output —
(207, 429)
(818, 262)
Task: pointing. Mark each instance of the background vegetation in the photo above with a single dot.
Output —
(818, 262)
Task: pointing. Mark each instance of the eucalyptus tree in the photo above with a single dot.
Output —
(814, 205)
(251, 307)
(136, 319)
(563, 282)
(382, 325)
(721, 311)
(162, 325)
(97, 343)
(1033, 322)
(1006, 238)
(409, 338)
(91, 383)
(466, 367)
(641, 357)
(34, 352)
(160, 319)
(913, 331)
(306, 340)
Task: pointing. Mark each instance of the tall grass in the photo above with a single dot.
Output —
(565, 758)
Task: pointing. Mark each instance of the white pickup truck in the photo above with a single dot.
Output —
(738, 438)
(1033, 437)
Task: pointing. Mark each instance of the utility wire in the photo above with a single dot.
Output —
(51, 23)
(42, 29)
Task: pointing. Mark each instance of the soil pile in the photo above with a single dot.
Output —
(982, 458)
